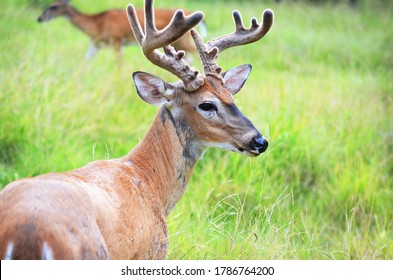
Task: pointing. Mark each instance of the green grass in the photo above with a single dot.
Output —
(321, 90)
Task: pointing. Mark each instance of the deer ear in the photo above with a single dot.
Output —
(152, 89)
(235, 78)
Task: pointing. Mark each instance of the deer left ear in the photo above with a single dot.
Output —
(152, 89)
(235, 78)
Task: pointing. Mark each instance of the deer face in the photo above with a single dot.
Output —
(209, 112)
(56, 9)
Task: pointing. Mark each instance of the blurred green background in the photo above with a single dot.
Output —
(321, 90)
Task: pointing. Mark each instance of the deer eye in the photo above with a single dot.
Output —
(52, 8)
(207, 106)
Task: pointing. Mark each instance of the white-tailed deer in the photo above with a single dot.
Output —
(110, 28)
(116, 209)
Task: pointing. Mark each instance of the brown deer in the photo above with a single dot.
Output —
(111, 28)
(116, 209)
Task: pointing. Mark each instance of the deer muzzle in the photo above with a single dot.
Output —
(259, 144)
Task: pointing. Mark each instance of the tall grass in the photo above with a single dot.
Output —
(320, 90)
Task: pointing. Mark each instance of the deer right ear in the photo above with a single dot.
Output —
(152, 89)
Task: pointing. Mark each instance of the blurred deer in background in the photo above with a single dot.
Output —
(111, 28)
(116, 209)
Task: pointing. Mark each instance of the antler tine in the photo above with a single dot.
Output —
(150, 27)
(152, 39)
(242, 35)
(134, 22)
(208, 57)
(209, 52)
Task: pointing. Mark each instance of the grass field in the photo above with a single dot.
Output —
(321, 90)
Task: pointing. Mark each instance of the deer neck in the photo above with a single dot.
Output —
(166, 157)
(81, 21)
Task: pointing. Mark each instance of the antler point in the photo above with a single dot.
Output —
(180, 54)
(268, 15)
(254, 23)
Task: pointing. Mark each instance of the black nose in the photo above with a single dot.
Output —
(39, 19)
(260, 144)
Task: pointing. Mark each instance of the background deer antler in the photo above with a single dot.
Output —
(152, 39)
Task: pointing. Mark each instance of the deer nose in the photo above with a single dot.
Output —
(259, 143)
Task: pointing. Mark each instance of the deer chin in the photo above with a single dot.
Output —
(250, 153)
(233, 148)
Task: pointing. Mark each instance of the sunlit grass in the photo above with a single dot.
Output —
(320, 90)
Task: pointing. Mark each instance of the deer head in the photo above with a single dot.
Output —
(201, 106)
(56, 9)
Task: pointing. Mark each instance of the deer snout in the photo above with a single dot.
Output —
(259, 144)
(40, 19)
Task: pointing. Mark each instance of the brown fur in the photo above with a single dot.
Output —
(107, 209)
(116, 208)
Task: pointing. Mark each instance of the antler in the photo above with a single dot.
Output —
(152, 39)
(242, 36)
